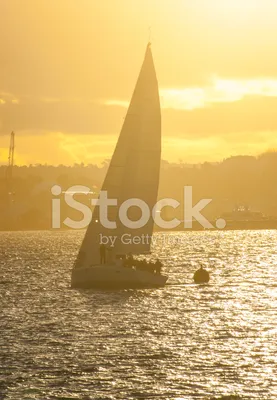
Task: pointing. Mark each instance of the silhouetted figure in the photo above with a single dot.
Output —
(102, 250)
(144, 264)
(150, 267)
(201, 276)
(129, 261)
(158, 267)
(125, 262)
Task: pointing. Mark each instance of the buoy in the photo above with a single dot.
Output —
(201, 276)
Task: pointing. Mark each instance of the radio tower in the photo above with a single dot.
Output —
(9, 171)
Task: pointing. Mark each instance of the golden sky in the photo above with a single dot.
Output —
(68, 69)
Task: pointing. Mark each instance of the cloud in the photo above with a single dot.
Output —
(223, 107)
(219, 90)
(251, 114)
(119, 103)
(59, 115)
(224, 117)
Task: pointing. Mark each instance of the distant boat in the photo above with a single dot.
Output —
(240, 218)
(133, 173)
(243, 218)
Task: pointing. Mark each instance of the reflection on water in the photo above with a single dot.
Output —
(180, 342)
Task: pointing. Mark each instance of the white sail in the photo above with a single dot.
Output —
(133, 171)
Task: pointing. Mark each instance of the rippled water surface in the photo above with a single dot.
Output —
(180, 342)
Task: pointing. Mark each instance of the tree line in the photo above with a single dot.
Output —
(26, 202)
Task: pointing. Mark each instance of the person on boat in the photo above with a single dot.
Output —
(143, 265)
(139, 264)
(128, 262)
(122, 260)
(158, 267)
(131, 261)
(150, 267)
(102, 250)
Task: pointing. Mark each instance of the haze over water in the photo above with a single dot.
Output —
(179, 342)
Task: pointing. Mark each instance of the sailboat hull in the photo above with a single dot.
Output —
(115, 277)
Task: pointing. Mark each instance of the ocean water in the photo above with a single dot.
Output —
(180, 342)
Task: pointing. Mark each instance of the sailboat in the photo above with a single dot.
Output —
(133, 174)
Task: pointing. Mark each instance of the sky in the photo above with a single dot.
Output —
(68, 69)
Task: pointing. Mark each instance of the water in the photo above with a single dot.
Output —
(180, 342)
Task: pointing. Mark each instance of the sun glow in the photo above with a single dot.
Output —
(238, 5)
(234, 11)
(215, 63)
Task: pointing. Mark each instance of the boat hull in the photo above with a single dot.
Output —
(115, 277)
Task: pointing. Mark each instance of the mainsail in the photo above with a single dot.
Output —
(133, 172)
